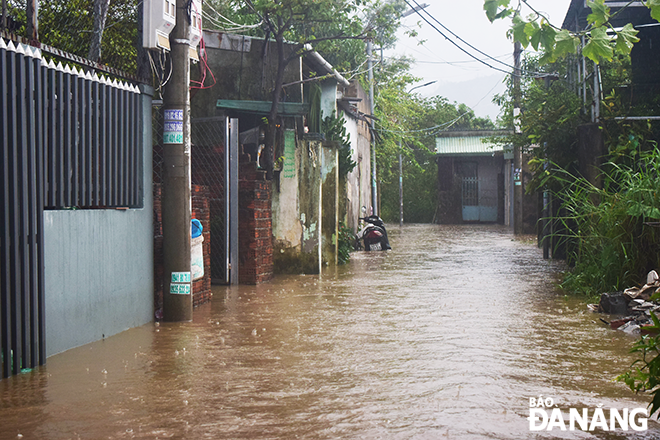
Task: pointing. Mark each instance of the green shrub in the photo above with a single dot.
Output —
(610, 246)
(345, 241)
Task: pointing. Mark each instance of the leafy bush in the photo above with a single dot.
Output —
(610, 246)
(644, 374)
(335, 130)
(345, 241)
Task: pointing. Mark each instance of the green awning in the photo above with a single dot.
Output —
(263, 107)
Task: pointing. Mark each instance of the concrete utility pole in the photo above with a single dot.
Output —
(175, 200)
(517, 151)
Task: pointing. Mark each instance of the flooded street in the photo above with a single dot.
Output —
(448, 336)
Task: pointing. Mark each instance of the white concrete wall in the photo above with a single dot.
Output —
(358, 186)
(286, 220)
(328, 97)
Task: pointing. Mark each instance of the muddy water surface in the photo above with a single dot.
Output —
(446, 336)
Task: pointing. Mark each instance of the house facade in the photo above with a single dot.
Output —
(475, 179)
(308, 198)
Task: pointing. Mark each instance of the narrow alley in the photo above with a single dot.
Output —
(448, 335)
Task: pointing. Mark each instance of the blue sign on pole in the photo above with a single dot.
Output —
(173, 130)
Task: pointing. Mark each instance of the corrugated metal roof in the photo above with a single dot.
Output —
(466, 145)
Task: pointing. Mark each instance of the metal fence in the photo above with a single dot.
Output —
(69, 140)
(22, 332)
(208, 167)
(93, 155)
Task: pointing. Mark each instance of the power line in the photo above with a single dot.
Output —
(432, 130)
(462, 40)
(454, 43)
(489, 92)
(419, 12)
(447, 62)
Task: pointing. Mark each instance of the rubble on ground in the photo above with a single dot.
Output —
(634, 304)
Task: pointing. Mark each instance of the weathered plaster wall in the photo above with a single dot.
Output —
(309, 194)
(328, 97)
(99, 266)
(354, 182)
(304, 204)
(358, 184)
(244, 70)
(287, 228)
(329, 200)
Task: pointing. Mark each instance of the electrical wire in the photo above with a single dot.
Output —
(513, 73)
(451, 63)
(163, 61)
(490, 91)
(459, 38)
(433, 129)
(159, 71)
(455, 44)
(237, 25)
(223, 26)
(356, 72)
(204, 67)
(443, 127)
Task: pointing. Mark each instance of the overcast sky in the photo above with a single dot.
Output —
(459, 77)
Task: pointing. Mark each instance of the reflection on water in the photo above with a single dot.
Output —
(446, 336)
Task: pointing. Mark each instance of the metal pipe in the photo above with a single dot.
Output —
(637, 118)
(374, 189)
(584, 74)
(320, 60)
(336, 206)
(400, 187)
(596, 98)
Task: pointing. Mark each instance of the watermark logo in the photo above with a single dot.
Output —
(544, 415)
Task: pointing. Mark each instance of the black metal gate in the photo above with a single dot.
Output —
(213, 163)
(209, 166)
(69, 140)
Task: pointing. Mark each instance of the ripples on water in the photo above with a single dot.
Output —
(446, 336)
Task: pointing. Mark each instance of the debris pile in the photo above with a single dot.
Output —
(635, 303)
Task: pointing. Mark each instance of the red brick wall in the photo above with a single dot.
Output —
(202, 287)
(201, 211)
(255, 227)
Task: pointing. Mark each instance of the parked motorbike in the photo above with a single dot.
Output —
(373, 235)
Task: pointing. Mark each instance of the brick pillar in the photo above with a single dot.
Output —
(255, 229)
(200, 210)
(202, 287)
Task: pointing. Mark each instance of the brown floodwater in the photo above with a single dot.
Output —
(447, 336)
